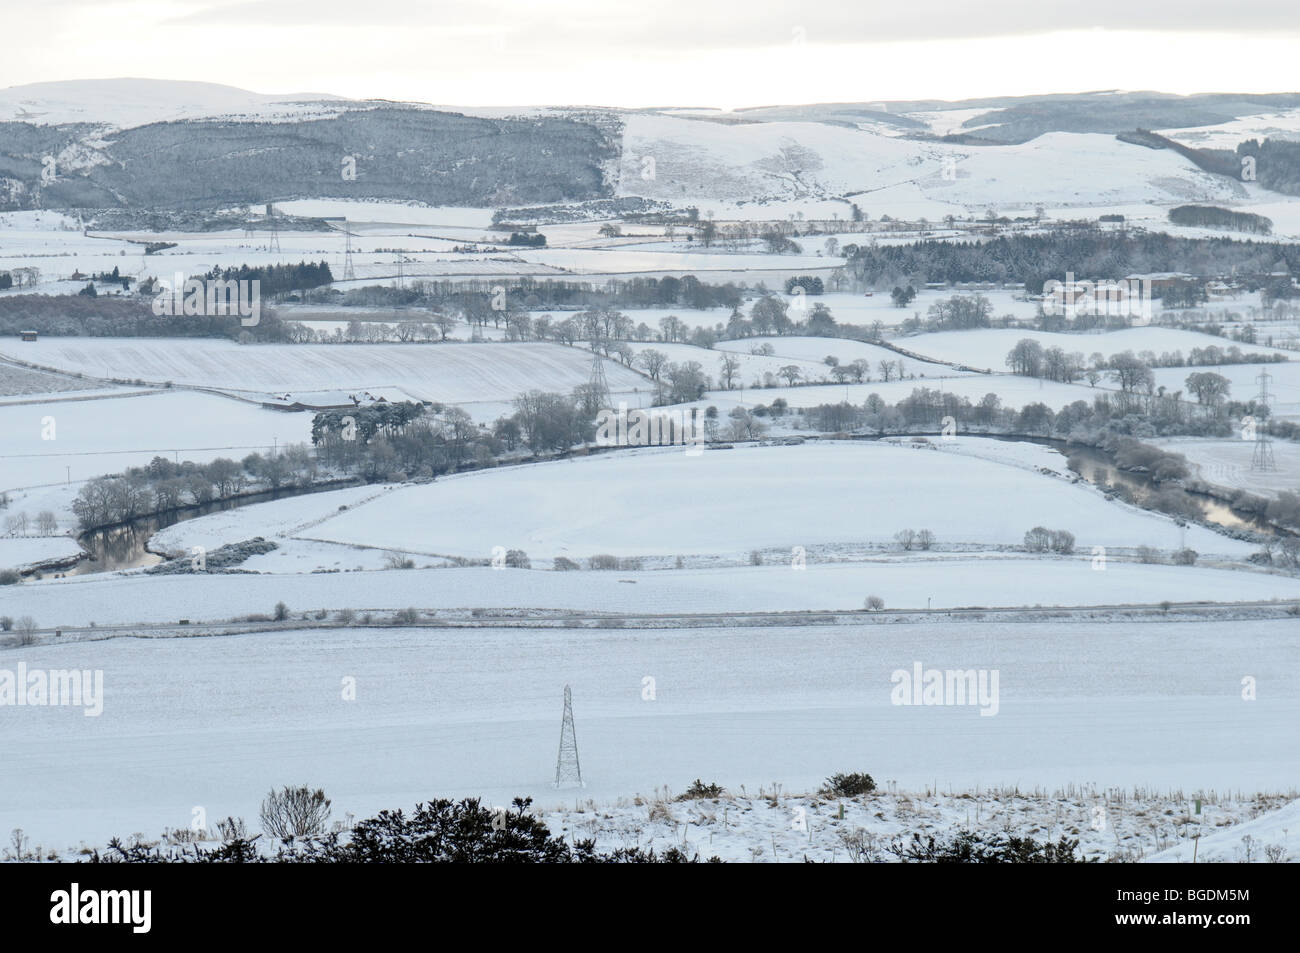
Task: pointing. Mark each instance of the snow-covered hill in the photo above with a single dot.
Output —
(123, 103)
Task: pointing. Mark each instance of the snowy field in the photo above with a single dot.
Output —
(1227, 463)
(21, 552)
(982, 579)
(450, 373)
(95, 437)
(1015, 392)
(779, 826)
(1283, 385)
(631, 504)
(664, 502)
(215, 723)
(987, 348)
(752, 366)
(817, 349)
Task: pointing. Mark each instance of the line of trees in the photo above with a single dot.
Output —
(1033, 259)
(162, 485)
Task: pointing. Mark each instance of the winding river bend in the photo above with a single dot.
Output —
(124, 546)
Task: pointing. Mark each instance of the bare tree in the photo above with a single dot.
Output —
(26, 629)
(295, 812)
(652, 362)
(729, 367)
(925, 539)
(906, 538)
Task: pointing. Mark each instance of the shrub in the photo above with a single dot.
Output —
(6, 623)
(292, 813)
(1062, 542)
(874, 603)
(438, 832)
(563, 564)
(1185, 557)
(406, 616)
(983, 847)
(700, 791)
(848, 785)
(631, 564)
(395, 560)
(232, 828)
(602, 561)
(346, 616)
(281, 612)
(755, 558)
(9, 577)
(1146, 554)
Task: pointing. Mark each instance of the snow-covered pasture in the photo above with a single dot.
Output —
(987, 348)
(96, 437)
(846, 351)
(752, 366)
(216, 722)
(1243, 379)
(1014, 392)
(21, 552)
(450, 373)
(667, 502)
(1227, 463)
(914, 581)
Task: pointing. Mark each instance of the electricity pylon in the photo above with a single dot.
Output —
(1262, 459)
(598, 384)
(349, 272)
(568, 773)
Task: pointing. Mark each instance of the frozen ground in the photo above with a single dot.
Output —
(20, 552)
(1283, 386)
(450, 373)
(1227, 463)
(987, 348)
(95, 437)
(214, 723)
(913, 582)
(1014, 392)
(662, 501)
(17, 381)
(816, 349)
(779, 827)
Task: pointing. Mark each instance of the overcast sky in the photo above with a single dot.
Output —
(724, 53)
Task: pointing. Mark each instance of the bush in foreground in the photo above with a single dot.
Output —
(982, 847)
(440, 831)
(699, 791)
(849, 785)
